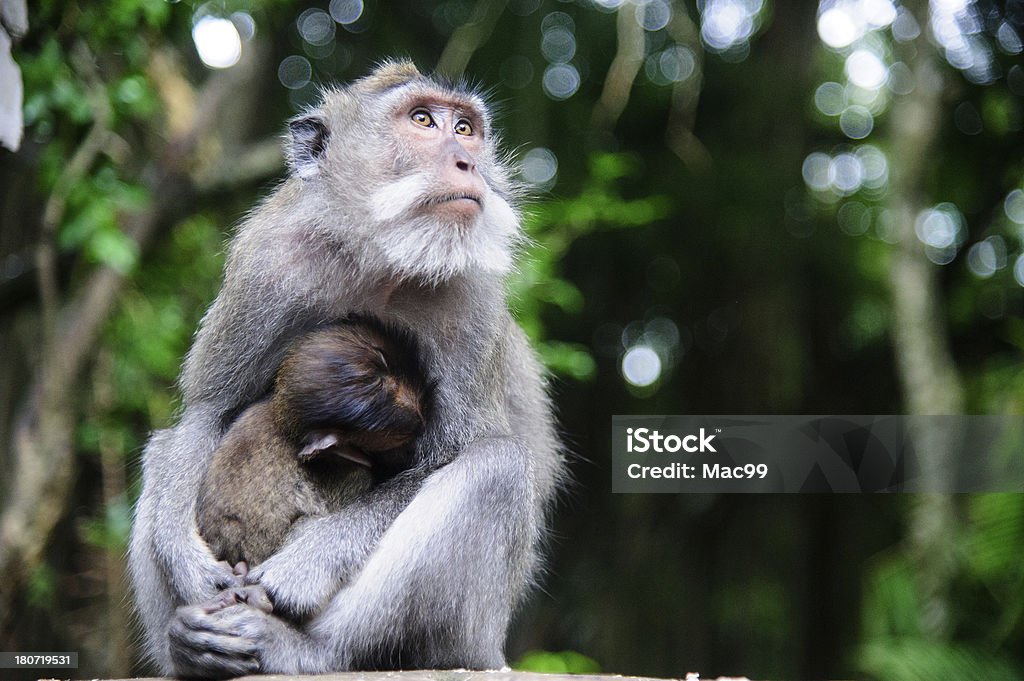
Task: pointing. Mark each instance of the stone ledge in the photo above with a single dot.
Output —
(428, 675)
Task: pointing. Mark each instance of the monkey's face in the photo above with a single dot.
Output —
(440, 198)
(439, 143)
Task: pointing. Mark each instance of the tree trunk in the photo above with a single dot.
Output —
(927, 373)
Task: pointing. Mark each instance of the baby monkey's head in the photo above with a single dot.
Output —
(360, 380)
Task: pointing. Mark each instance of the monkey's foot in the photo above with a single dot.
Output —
(237, 572)
(254, 596)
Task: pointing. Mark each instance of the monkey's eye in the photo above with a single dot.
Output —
(463, 127)
(422, 117)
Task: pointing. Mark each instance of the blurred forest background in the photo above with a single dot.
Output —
(740, 207)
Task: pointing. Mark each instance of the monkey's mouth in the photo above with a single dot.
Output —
(457, 197)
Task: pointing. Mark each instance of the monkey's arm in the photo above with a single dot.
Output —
(302, 576)
(437, 592)
(437, 589)
(172, 466)
(304, 573)
(230, 365)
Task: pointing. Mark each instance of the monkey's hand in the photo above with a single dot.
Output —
(234, 634)
(324, 554)
(300, 578)
(211, 642)
(195, 574)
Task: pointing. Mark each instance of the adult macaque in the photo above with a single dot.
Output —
(398, 205)
(348, 402)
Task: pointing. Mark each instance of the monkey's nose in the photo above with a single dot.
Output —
(463, 159)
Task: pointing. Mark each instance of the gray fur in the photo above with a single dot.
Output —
(426, 569)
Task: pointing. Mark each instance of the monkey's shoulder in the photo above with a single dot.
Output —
(293, 254)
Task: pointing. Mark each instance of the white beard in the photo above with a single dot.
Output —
(416, 245)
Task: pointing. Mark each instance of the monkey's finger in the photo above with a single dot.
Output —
(225, 599)
(190, 662)
(228, 667)
(241, 568)
(234, 620)
(228, 581)
(186, 636)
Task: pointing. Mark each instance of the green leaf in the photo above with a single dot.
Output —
(571, 359)
(996, 536)
(111, 531)
(566, 662)
(42, 587)
(891, 605)
(113, 248)
(914, 659)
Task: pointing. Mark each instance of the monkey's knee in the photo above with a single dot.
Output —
(495, 475)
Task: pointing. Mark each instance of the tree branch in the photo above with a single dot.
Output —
(629, 57)
(53, 214)
(686, 95)
(468, 37)
(42, 442)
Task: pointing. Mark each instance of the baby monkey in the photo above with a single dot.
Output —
(347, 405)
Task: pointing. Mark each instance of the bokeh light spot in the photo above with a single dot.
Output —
(1018, 269)
(558, 44)
(539, 166)
(641, 366)
(653, 15)
(941, 230)
(866, 70)
(346, 12)
(729, 24)
(561, 81)
(967, 119)
(905, 27)
(837, 29)
(516, 71)
(986, 257)
(830, 98)
(295, 72)
(846, 173)
(316, 26)
(875, 166)
(217, 41)
(816, 171)
(856, 122)
(854, 218)
(1013, 206)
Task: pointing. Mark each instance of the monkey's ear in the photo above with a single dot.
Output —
(307, 143)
